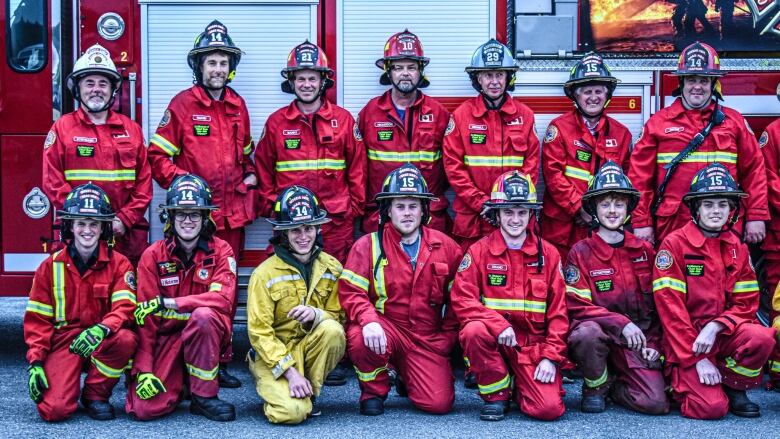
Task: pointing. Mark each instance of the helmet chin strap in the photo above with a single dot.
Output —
(105, 106)
(490, 103)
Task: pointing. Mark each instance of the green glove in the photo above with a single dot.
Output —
(37, 382)
(88, 340)
(143, 309)
(148, 386)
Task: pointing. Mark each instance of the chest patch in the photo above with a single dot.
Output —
(584, 156)
(203, 274)
(169, 281)
(694, 269)
(85, 151)
(201, 130)
(427, 118)
(496, 280)
(167, 268)
(571, 275)
(611, 143)
(497, 267)
(602, 272)
(294, 143)
(384, 135)
(201, 118)
(478, 138)
(603, 285)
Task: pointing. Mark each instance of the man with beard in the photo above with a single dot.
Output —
(205, 131)
(97, 144)
(316, 144)
(404, 125)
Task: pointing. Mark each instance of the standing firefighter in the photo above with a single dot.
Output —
(707, 296)
(404, 125)
(576, 145)
(615, 334)
(186, 292)
(316, 144)
(395, 292)
(492, 133)
(509, 299)
(79, 313)
(684, 137)
(97, 144)
(293, 312)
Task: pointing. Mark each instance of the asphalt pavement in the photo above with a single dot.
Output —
(340, 417)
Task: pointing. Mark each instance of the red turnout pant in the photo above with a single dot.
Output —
(421, 361)
(63, 372)
(492, 364)
(192, 352)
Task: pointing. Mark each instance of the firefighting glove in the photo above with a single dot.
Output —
(88, 340)
(144, 309)
(148, 386)
(37, 382)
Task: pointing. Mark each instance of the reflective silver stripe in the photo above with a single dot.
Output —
(284, 278)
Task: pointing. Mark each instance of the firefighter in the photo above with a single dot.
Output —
(95, 143)
(576, 144)
(205, 131)
(293, 312)
(491, 134)
(706, 294)
(79, 313)
(395, 292)
(684, 137)
(508, 295)
(615, 334)
(317, 144)
(404, 125)
(186, 293)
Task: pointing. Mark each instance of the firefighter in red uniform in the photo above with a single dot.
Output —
(186, 292)
(509, 297)
(404, 125)
(80, 307)
(316, 144)
(97, 144)
(615, 334)
(395, 292)
(576, 144)
(205, 131)
(706, 294)
(681, 139)
(491, 134)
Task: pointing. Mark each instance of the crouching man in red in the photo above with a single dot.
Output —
(393, 289)
(80, 307)
(186, 294)
(508, 296)
(706, 293)
(615, 336)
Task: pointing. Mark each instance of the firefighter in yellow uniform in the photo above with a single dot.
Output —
(293, 312)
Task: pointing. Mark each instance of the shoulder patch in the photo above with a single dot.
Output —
(663, 260)
(571, 275)
(356, 131)
(747, 125)
(232, 264)
(551, 134)
(465, 263)
(762, 141)
(50, 139)
(450, 126)
(130, 280)
(166, 119)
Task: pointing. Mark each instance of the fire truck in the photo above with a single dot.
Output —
(149, 40)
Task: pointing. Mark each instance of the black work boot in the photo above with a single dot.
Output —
(212, 408)
(315, 408)
(593, 404)
(372, 407)
(494, 410)
(226, 380)
(98, 410)
(400, 386)
(470, 381)
(337, 376)
(740, 404)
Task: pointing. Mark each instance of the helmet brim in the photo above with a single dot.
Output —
(488, 69)
(389, 195)
(599, 192)
(75, 77)
(708, 73)
(289, 225)
(511, 204)
(63, 215)
(380, 63)
(700, 196)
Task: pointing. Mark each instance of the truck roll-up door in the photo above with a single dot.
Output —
(264, 30)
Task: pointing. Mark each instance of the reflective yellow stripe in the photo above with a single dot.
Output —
(515, 305)
(578, 173)
(748, 286)
(699, 157)
(404, 156)
(774, 366)
(310, 165)
(493, 161)
(248, 148)
(466, 361)
(165, 145)
(355, 279)
(173, 315)
(379, 282)
(116, 296)
(585, 294)
(503, 383)
(670, 282)
(369, 376)
(598, 381)
(106, 370)
(58, 287)
(215, 286)
(741, 370)
(40, 308)
(100, 174)
(205, 375)
(281, 366)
